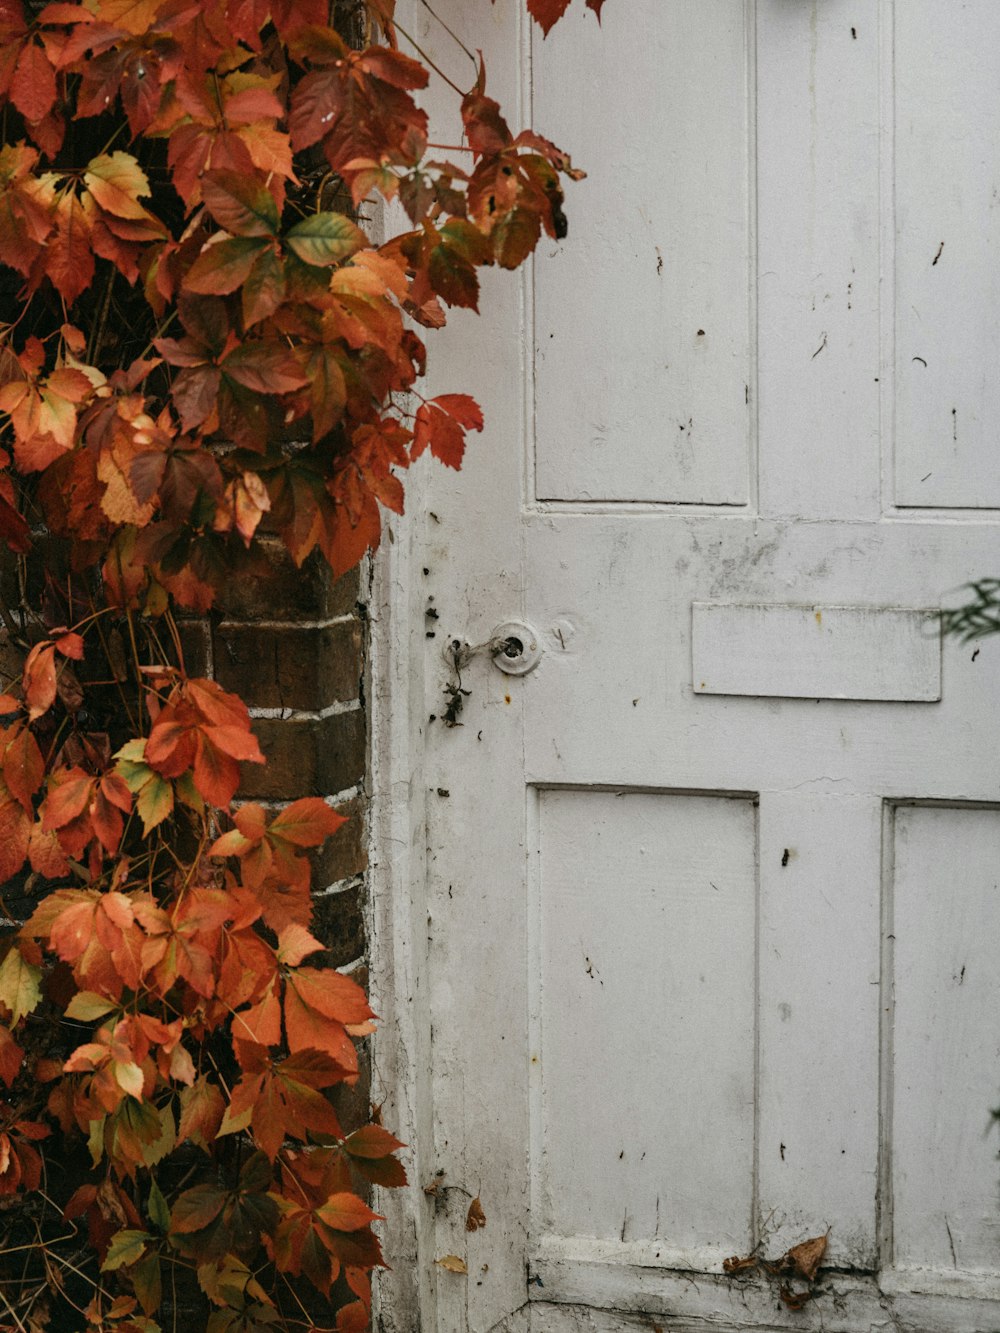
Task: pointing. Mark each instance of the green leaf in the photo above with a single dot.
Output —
(157, 1207)
(148, 1283)
(127, 1247)
(325, 238)
(20, 985)
(131, 766)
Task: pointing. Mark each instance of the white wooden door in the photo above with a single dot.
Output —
(692, 946)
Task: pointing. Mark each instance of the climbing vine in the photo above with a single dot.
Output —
(204, 344)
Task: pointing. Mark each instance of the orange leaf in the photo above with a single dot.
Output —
(23, 766)
(346, 1212)
(68, 797)
(15, 832)
(371, 1141)
(11, 1057)
(33, 87)
(117, 182)
(39, 679)
(306, 823)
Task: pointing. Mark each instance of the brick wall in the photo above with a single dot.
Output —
(291, 643)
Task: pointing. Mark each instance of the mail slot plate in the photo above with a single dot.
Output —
(816, 652)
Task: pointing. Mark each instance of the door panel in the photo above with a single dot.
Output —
(700, 884)
(647, 904)
(668, 367)
(947, 120)
(944, 1051)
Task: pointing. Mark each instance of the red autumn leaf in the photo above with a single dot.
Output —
(45, 853)
(68, 796)
(13, 529)
(261, 1022)
(224, 265)
(445, 259)
(284, 1097)
(306, 823)
(485, 127)
(23, 766)
(547, 12)
(515, 236)
(70, 644)
(346, 1212)
(196, 1209)
(235, 741)
(69, 262)
(319, 1008)
(11, 1056)
(202, 1108)
(353, 1318)
(371, 1141)
(39, 681)
(96, 933)
(264, 367)
(33, 87)
(15, 832)
(240, 204)
(441, 424)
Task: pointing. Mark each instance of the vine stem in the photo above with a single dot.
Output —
(424, 56)
(454, 37)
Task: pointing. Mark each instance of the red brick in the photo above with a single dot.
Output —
(272, 587)
(339, 925)
(346, 853)
(307, 758)
(289, 668)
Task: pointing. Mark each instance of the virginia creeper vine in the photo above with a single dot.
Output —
(207, 345)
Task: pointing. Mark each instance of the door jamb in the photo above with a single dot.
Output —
(404, 1297)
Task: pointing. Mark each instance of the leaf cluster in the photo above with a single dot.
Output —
(208, 345)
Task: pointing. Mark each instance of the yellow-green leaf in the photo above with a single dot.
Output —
(155, 802)
(325, 238)
(20, 985)
(117, 182)
(88, 1007)
(127, 1247)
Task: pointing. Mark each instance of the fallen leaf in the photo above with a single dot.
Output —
(739, 1265)
(452, 1263)
(807, 1257)
(795, 1300)
(475, 1218)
